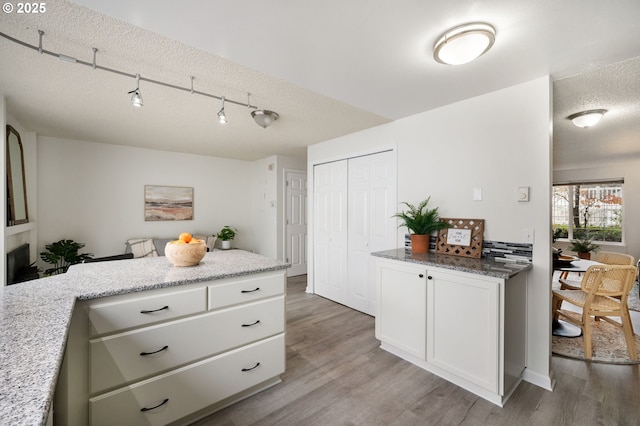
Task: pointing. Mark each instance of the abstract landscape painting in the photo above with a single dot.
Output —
(168, 202)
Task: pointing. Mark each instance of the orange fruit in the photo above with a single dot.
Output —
(185, 236)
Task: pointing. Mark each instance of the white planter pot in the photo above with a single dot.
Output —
(225, 245)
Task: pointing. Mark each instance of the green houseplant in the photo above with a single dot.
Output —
(226, 235)
(63, 254)
(584, 247)
(421, 223)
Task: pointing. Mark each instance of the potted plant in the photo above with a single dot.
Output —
(421, 223)
(584, 247)
(226, 235)
(63, 254)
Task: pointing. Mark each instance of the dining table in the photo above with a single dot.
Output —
(560, 327)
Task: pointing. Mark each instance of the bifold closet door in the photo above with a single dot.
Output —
(371, 205)
(330, 230)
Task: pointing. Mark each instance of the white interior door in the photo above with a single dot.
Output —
(330, 230)
(296, 223)
(359, 290)
(383, 228)
(372, 203)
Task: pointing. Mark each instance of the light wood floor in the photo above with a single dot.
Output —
(336, 374)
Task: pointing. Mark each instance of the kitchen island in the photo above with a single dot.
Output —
(41, 319)
(460, 318)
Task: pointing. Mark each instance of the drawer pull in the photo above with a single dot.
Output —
(250, 291)
(155, 310)
(249, 369)
(155, 352)
(250, 325)
(143, 409)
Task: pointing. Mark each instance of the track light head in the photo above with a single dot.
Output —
(222, 118)
(136, 97)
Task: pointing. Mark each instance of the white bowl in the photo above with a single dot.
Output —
(185, 254)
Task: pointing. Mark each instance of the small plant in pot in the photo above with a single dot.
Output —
(61, 255)
(421, 223)
(584, 247)
(226, 235)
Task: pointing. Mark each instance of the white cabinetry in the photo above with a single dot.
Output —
(354, 201)
(473, 325)
(172, 354)
(463, 326)
(402, 306)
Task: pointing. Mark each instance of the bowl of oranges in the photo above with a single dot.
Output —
(185, 251)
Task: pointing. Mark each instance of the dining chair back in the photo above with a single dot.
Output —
(603, 294)
(606, 257)
(613, 258)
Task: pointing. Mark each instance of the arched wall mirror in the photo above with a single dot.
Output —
(17, 211)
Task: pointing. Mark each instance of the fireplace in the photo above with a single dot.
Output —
(18, 267)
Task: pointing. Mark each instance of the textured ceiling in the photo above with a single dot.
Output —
(328, 68)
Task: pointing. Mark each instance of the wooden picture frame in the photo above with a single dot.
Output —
(168, 203)
(464, 237)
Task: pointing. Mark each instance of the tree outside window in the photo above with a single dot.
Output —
(588, 210)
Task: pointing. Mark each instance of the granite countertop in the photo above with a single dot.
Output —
(484, 266)
(35, 316)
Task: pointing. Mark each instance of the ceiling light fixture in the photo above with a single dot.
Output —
(136, 97)
(587, 118)
(264, 118)
(464, 43)
(222, 118)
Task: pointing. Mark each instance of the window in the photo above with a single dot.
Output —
(588, 209)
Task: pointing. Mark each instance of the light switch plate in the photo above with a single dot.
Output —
(523, 193)
(477, 194)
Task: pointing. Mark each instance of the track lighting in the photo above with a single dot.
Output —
(263, 118)
(222, 118)
(136, 97)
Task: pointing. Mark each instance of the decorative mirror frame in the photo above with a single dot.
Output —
(17, 210)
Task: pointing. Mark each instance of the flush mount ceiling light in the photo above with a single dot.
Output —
(222, 118)
(136, 97)
(587, 118)
(264, 117)
(465, 43)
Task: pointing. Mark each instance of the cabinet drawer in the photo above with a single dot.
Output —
(243, 290)
(132, 312)
(122, 358)
(191, 388)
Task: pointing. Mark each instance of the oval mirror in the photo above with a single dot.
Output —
(17, 212)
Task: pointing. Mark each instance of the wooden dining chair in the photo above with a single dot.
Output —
(606, 257)
(603, 294)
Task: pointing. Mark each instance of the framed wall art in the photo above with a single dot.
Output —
(463, 238)
(168, 203)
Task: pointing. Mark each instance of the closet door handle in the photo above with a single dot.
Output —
(250, 291)
(155, 352)
(249, 369)
(429, 277)
(420, 275)
(251, 325)
(143, 409)
(154, 310)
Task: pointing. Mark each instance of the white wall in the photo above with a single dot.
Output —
(628, 170)
(496, 142)
(94, 193)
